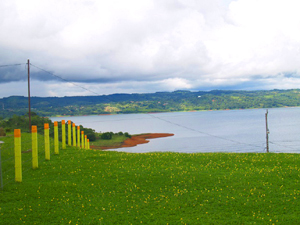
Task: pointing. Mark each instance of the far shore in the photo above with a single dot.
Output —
(204, 110)
(135, 140)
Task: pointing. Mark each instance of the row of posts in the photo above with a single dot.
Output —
(84, 143)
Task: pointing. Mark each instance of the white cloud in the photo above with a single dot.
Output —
(172, 84)
(185, 44)
(262, 38)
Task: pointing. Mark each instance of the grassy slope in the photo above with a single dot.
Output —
(115, 141)
(103, 187)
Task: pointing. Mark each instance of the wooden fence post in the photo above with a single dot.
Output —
(34, 147)
(18, 155)
(47, 142)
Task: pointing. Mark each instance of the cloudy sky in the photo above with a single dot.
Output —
(140, 46)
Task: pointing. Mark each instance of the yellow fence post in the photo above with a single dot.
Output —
(34, 148)
(69, 133)
(74, 135)
(85, 141)
(18, 155)
(56, 146)
(47, 142)
(78, 136)
(63, 133)
(88, 144)
(82, 139)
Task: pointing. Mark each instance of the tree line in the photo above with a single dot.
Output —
(22, 122)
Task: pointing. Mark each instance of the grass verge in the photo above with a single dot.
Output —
(106, 187)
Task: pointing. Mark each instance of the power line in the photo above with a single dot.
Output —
(17, 64)
(284, 146)
(185, 127)
(201, 132)
(188, 128)
(176, 124)
(64, 79)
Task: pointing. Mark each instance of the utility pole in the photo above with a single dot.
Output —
(29, 108)
(267, 131)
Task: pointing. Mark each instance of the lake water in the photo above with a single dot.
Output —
(205, 131)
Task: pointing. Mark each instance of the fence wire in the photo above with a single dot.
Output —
(7, 159)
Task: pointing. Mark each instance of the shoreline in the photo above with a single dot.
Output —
(204, 110)
(134, 141)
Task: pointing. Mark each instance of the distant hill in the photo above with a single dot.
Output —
(149, 102)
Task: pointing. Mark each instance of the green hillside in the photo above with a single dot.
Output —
(152, 102)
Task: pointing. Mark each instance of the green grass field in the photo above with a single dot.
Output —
(106, 187)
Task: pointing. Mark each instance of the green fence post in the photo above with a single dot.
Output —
(56, 146)
(1, 181)
(78, 136)
(34, 147)
(47, 142)
(69, 133)
(63, 133)
(18, 155)
(74, 134)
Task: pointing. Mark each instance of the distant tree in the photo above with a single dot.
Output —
(106, 136)
(2, 132)
(127, 135)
